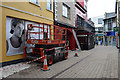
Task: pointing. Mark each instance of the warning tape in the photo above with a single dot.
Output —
(52, 49)
(22, 64)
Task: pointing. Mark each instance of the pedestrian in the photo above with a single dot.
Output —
(101, 42)
(97, 42)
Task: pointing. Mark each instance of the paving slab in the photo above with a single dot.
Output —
(100, 62)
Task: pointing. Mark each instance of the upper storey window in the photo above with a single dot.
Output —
(49, 5)
(36, 2)
(66, 11)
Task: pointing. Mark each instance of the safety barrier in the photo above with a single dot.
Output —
(23, 63)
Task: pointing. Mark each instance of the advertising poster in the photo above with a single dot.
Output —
(15, 36)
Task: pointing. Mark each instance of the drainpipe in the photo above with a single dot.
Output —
(54, 11)
(119, 28)
(104, 34)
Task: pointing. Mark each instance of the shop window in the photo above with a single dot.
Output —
(45, 35)
(46, 32)
(63, 34)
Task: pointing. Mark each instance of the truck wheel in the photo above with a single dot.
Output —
(65, 56)
(50, 60)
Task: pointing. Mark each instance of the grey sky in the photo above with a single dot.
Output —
(99, 7)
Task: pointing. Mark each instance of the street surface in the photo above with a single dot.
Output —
(100, 62)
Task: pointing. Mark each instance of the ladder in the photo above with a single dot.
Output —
(76, 39)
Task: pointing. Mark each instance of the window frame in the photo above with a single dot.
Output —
(35, 3)
(80, 21)
(68, 10)
(50, 4)
(109, 26)
(100, 20)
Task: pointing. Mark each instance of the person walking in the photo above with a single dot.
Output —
(101, 42)
(97, 42)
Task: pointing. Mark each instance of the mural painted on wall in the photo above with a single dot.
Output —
(16, 36)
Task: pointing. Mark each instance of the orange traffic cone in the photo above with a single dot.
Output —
(45, 67)
(76, 53)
